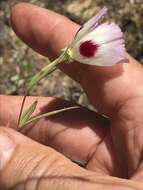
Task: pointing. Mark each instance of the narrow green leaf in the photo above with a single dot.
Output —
(27, 114)
(35, 118)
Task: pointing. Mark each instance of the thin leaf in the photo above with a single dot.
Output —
(27, 114)
(35, 118)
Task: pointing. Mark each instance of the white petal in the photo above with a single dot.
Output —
(110, 54)
(104, 33)
(111, 48)
(91, 24)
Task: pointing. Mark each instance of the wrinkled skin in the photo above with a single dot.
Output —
(111, 153)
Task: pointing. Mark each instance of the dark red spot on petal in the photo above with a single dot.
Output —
(88, 48)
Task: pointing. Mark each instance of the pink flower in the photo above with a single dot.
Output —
(98, 44)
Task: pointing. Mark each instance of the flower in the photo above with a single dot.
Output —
(98, 44)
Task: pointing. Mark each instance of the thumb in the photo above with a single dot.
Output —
(28, 165)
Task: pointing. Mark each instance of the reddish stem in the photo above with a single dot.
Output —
(21, 109)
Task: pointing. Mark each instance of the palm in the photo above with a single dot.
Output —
(125, 112)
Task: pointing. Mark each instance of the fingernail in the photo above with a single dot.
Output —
(7, 147)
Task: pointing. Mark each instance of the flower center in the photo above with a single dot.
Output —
(88, 48)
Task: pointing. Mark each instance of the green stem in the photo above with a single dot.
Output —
(34, 118)
(47, 70)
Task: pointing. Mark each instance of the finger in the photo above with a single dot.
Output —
(59, 30)
(33, 166)
(64, 130)
(28, 165)
(47, 36)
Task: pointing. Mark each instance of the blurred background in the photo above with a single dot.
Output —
(18, 62)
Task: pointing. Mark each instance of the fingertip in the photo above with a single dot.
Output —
(17, 12)
(20, 19)
(41, 28)
(18, 7)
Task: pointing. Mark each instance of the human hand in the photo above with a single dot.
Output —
(110, 151)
